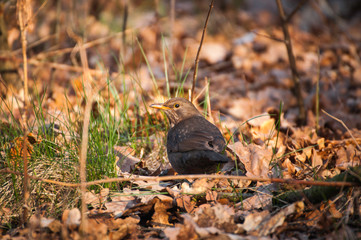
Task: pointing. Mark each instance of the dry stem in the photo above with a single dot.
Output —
(344, 125)
(199, 51)
(21, 5)
(292, 60)
(178, 177)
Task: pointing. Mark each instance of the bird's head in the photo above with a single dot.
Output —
(177, 109)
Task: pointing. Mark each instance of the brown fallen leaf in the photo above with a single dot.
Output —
(185, 202)
(220, 217)
(258, 201)
(160, 211)
(264, 224)
(182, 231)
(123, 228)
(96, 229)
(252, 221)
(17, 146)
(270, 225)
(125, 162)
(198, 186)
(211, 196)
(256, 159)
(316, 158)
(73, 219)
(333, 210)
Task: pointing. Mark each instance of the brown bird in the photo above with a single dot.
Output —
(194, 145)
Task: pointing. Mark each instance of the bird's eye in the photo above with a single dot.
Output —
(176, 105)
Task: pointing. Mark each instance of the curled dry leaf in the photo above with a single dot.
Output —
(160, 211)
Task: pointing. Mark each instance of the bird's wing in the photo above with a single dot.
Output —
(200, 140)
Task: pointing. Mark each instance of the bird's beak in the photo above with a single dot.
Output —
(159, 106)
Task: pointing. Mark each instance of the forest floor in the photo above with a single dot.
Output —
(88, 78)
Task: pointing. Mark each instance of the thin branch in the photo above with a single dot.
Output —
(65, 67)
(199, 51)
(318, 90)
(23, 19)
(85, 131)
(344, 125)
(89, 44)
(179, 177)
(300, 4)
(292, 60)
(209, 109)
(268, 36)
(124, 26)
(171, 30)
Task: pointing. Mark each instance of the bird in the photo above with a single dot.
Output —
(194, 145)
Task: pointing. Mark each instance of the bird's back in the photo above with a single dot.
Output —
(195, 133)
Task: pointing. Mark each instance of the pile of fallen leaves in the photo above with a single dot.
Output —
(226, 208)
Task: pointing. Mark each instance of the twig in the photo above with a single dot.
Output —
(210, 117)
(85, 130)
(86, 45)
(124, 27)
(300, 4)
(318, 90)
(179, 177)
(35, 43)
(199, 51)
(171, 30)
(65, 67)
(344, 125)
(22, 6)
(59, 66)
(292, 60)
(268, 36)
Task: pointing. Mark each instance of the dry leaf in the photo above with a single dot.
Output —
(73, 219)
(125, 162)
(255, 159)
(185, 202)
